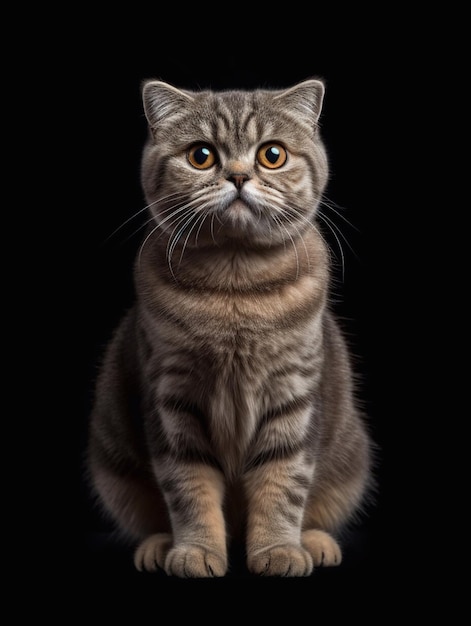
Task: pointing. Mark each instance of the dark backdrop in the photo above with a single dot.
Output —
(101, 134)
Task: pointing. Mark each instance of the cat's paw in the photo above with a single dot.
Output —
(281, 560)
(150, 554)
(195, 561)
(322, 547)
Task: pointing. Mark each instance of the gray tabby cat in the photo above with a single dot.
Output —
(225, 406)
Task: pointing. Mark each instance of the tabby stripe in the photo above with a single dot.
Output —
(293, 406)
(179, 405)
(292, 516)
(227, 121)
(257, 288)
(286, 319)
(184, 452)
(243, 126)
(276, 453)
(294, 368)
(178, 372)
(182, 501)
(168, 315)
(296, 499)
(302, 480)
(184, 446)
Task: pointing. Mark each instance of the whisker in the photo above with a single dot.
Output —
(271, 231)
(141, 248)
(200, 217)
(299, 216)
(204, 216)
(332, 230)
(185, 209)
(336, 208)
(132, 217)
(179, 217)
(212, 229)
(141, 227)
(278, 221)
(135, 215)
(333, 226)
(174, 238)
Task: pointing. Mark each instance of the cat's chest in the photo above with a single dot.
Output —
(234, 294)
(235, 355)
(234, 344)
(240, 317)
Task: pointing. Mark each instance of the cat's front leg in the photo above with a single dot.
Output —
(197, 549)
(276, 492)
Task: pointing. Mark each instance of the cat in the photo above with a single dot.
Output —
(225, 405)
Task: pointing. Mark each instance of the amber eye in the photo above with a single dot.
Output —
(201, 156)
(272, 155)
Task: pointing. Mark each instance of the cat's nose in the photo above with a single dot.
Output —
(238, 179)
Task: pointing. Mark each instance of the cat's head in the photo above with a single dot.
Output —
(243, 165)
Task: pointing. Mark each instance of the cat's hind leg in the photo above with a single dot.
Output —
(151, 553)
(323, 548)
(138, 508)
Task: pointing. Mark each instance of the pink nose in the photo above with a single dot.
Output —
(238, 179)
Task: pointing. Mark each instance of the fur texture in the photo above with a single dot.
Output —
(225, 405)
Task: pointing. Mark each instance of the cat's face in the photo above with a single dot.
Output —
(243, 166)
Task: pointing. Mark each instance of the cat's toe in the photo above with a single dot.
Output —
(194, 561)
(322, 547)
(284, 560)
(150, 554)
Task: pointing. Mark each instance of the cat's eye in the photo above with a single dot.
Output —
(272, 155)
(201, 156)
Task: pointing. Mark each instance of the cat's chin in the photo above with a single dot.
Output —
(238, 210)
(238, 218)
(242, 224)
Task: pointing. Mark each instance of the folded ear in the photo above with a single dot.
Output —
(305, 99)
(162, 101)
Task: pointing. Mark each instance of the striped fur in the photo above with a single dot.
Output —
(225, 406)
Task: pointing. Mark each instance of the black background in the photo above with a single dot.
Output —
(370, 78)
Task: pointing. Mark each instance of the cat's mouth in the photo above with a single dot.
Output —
(237, 214)
(238, 207)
